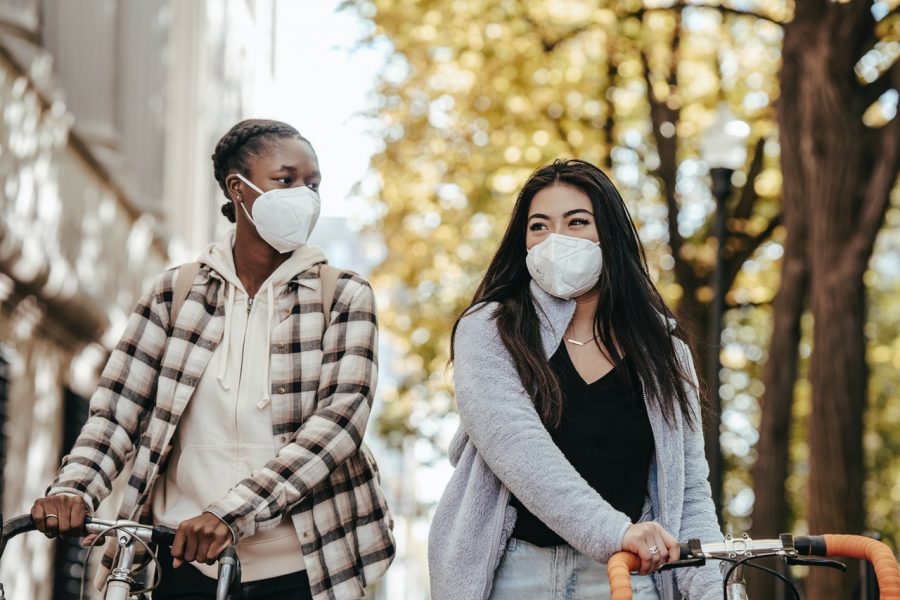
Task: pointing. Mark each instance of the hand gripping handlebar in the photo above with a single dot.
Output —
(694, 553)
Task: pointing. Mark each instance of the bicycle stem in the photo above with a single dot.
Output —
(736, 589)
(118, 584)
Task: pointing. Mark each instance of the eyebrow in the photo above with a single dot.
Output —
(293, 169)
(566, 214)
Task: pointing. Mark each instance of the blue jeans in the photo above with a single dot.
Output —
(530, 572)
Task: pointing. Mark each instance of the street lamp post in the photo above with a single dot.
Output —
(724, 149)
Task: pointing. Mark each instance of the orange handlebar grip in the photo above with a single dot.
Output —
(619, 569)
(881, 557)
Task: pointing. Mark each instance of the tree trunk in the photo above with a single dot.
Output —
(847, 171)
(838, 376)
(770, 507)
(694, 316)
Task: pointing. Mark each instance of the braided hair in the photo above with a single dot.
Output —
(250, 137)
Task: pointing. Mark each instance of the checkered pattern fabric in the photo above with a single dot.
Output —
(323, 381)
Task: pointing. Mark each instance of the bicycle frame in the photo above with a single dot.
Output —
(744, 549)
(128, 535)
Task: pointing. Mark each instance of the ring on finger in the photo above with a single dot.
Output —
(51, 515)
(653, 550)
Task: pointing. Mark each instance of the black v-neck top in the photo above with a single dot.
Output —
(605, 433)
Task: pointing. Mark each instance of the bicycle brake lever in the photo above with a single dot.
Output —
(688, 562)
(817, 562)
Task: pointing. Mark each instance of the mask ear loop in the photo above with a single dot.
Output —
(249, 218)
(250, 183)
(255, 189)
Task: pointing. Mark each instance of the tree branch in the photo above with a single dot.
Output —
(672, 79)
(550, 45)
(878, 191)
(886, 81)
(739, 13)
(748, 198)
(884, 175)
(667, 172)
(749, 244)
(725, 10)
(563, 134)
(612, 69)
(734, 305)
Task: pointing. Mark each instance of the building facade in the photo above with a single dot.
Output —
(109, 111)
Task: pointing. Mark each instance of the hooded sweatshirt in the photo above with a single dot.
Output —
(225, 433)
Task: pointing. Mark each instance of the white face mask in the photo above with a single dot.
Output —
(565, 266)
(284, 217)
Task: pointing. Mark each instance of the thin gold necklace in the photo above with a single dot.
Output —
(577, 343)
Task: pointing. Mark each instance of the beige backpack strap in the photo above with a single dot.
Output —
(184, 279)
(328, 275)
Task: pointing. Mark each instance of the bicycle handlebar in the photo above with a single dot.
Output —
(157, 534)
(229, 564)
(857, 546)
(14, 527)
(694, 553)
(149, 533)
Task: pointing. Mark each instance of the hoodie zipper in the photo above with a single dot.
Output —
(237, 430)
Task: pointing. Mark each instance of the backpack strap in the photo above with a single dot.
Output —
(184, 279)
(329, 276)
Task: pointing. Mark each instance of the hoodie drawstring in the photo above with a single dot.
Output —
(267, 377)
(226, 340)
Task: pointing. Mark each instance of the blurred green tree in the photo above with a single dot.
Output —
(484, 92)
(481, 92)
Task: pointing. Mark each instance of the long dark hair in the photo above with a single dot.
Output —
(631, 318)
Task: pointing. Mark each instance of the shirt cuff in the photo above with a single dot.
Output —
(63, 491)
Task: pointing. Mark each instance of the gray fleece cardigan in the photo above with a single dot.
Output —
(501, 446)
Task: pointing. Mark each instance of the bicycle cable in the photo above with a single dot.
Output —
(747, 561)
(157, 575)
(787, 582)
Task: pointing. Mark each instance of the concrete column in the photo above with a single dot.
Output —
(191, 197)
(140, 101)
(81, 36)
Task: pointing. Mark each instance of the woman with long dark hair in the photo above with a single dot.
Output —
(580, 429)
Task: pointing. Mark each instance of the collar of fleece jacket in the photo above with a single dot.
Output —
(323, 381)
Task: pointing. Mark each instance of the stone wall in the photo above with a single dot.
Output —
(74, 255)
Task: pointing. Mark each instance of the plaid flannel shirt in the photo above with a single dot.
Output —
(323, 476)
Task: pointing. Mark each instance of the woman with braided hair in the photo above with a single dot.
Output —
(242, 386)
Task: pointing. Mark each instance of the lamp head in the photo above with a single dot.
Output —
(724, 143)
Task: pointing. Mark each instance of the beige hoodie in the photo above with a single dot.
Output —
(225, 433)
